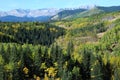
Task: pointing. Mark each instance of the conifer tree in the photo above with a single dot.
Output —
(1, 67)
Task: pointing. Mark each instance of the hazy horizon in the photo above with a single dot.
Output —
(40, 4)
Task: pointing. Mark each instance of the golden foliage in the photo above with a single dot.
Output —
(46, 77)
(25, 70)
(37, 78)
(1, 60)
(51, 71)
(53, 30)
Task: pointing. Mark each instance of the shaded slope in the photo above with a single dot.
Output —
(66, 13)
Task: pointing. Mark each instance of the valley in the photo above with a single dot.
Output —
(74, 44)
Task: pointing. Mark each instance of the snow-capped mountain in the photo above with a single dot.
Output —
(2, 14)
(43, 12)
(38, 12)
(88, 7)
(53, 14)
(30, 13)
(17, 13)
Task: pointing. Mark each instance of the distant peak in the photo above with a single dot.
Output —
(87, 6)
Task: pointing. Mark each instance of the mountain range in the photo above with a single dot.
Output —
(20, 15)
(28, 15)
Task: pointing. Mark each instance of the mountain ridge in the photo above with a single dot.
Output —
(88, 12)
(47, 14)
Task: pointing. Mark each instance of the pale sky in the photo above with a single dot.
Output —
(38, 4)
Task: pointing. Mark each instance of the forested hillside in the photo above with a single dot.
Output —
(85, 48)
(29, 32)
